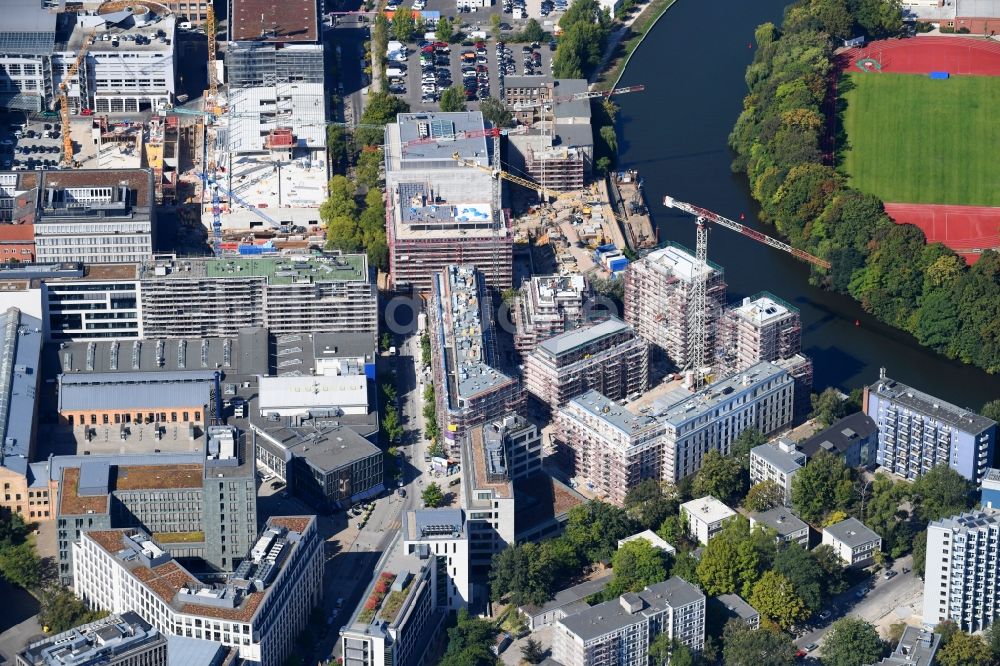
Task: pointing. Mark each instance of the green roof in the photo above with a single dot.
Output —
(288, 270)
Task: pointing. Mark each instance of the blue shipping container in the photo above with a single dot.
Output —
(939, 75)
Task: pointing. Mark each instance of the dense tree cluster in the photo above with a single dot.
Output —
(18, 562)
(585, 29)
(351, 227)
(784, 145)
(469, 642)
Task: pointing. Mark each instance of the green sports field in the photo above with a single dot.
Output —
(916, 140)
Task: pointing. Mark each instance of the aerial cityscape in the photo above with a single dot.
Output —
(482, 332)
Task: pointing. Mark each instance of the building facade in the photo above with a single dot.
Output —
(854, 543)
(705, 518)
(547, 306)
(95, 216)
(960, 583)
(607, 357)
(607, 447)
(439, 211)
(787, 526)
(853, 438)
(468, 388)
(289, 294)
(444, 534)
(658, 292)
(260, 611)
(776, 461)
(917, 431)
(620, 631)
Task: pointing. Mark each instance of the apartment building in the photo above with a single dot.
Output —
(607, 447)
(129, 66)
(853, 542)
(20, 381)
(115, 640)
(440, 212)
(468, 388)
(658, 294)
(564, 602)
(776, 461)
(786, 525)
(734, 607)
(989, 489)
(19, 198)
(760, 328)
(95, 216)
(620, 631)
(444, 534)
(546, 306)
(762, 397)
(607, 357)
(405, 624)
(174, 501)
(705, 517)
(917, 647)
(260, 610)
(853, 438)
(17, 241)
(917, 431)
(288, 295)
(194, 12)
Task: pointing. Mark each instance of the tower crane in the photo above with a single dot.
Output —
(698, 324)
(213, 81)
(64, 100)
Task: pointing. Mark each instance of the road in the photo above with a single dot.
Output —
(878, 606)
(353, 553)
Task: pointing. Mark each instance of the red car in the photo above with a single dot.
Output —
(440, 45)
(427, 49)
(480, 45)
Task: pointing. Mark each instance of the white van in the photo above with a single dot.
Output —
(184, 25)
(394, 71)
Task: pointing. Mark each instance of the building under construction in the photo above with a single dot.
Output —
(440, 212)
(548, 305)
(469, 389)
(659, 292)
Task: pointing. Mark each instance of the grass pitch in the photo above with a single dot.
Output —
(916, 140)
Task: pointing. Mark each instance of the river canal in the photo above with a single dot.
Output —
(675, 133)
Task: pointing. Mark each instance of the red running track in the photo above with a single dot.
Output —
(966, 229)
(920, 55)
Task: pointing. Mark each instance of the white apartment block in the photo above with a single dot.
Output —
(761, 397)
(963, 570)
(705, 517)
(760, 328)
(445, 534)
(548, 305)
(609, 448)
(788, 527)
(854, 543)
(487, 492)
(260, 610)
(776, 461)
(128, 68)
(619, 631)
(658, 292)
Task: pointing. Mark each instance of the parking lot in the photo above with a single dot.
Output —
(35, 145)
(482, 64)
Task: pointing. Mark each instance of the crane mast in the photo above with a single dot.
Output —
(698, 340)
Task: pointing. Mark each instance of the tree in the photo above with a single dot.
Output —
(832, 568)
(743, 646)
(495, 22)
(774, 597)
(992, 636)
(940, 493)
(764, 496)
(797, 565)
(659, 649)
(522, 573)
(532, 652)
(469, 642)
(385, 341)
(686, 567)
(719, 477)
(603, 165)
(595, 527)
(991, 410)
(735, 557)
(636, 564)
(453, 98)
(532, 32)
(965, 650)
(13, 529)
(648, 504)
(821, 486)
(403, 24)
(742, 445)
(495, 112)
(445, 30)
(946, 629)
(425, 352)
(432, 496)
(20, 565)
(368, 170)
(60, 610)
(828, 407)
(391, 424)
(852, 642)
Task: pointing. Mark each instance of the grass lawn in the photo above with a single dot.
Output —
(915, 140)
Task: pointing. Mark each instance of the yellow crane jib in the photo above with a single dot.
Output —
(64, 101)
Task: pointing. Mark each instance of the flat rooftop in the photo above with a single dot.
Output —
(542, 498)
(609, 411)
(93, 643)
(588, 334)
(708, 509)
(935, 408)
(20, 361)
(291, 194)
(139, 182)
(851, 532)
(433, 137)
(680, 262)
(764, 309)
(269, 21)
(488, 461)
(610, 616)
(27, 28)
(326, 444)
(718, 393)
(781, 520)
(291, 269)
(783, 461)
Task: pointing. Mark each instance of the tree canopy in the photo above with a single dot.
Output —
(721, 477)
(964, 649)
(585, 29)
(774, 597)
(735, 557)
(453, 98)
(432, 495)
(743, 646)
(469, 642)
(824, 485)
(852, 642)
(635, 565)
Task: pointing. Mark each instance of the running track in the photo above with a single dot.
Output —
(966, 229)
(920, 55)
